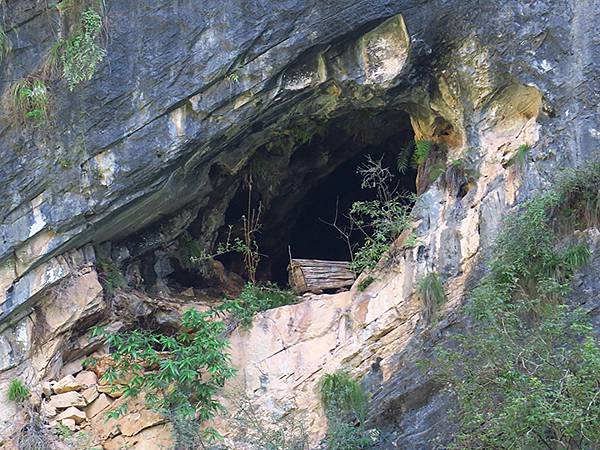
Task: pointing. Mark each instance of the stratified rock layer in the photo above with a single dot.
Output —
(187, 96)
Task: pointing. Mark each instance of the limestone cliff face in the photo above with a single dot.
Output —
(193, 96)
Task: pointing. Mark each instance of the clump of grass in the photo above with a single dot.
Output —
(30, 99)
(345, 403)
(520, 155)
(18, 391)
(341, 392)
(431, 292)
(365, 283)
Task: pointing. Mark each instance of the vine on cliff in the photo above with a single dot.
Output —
(527, 376)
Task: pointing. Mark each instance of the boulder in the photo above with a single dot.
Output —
(47, 410)
(66, 400)
(69, 423)
(86, 378)
(47, 388)
(71, 368)
(97, 406)
(132, 424)
(66, 384)
(115, 391)
(90, 394)
(72, 413)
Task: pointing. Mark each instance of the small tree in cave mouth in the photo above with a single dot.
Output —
(379, 222)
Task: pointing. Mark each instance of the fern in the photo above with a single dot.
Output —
(80, 54)
(422, 150)
(403, 159)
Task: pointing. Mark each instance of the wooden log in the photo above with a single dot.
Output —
(314, 275)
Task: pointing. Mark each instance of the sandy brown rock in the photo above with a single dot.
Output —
(66, 384)
(159, 437)
(72, 413)
(114, 391)
(47, 410)
(97, 406)
(133, 423)
(47, 388)
(90, 394)
(86, 379)
(69, 423)
(66, 400)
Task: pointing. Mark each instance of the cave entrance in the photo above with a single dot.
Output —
(316, 179)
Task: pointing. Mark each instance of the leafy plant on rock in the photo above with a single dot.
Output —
(421, 152)
(30, 99)
(431, 292)
(527, 376)
(80, 53)
(180, 374)
(345, 403)
(18, 392)
(256, 298)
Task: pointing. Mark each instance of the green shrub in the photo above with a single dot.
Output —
(180, 373)
(380, 221)
(527, 375)
(421, 153)
(343, 393)
(365, 283)
(30, 99)
(18, 392)
(431, 292)
(80, 53)
(256, 298)
(268, 431)
(520, 155)
(345, 403)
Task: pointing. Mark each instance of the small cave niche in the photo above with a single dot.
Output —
(321, 177)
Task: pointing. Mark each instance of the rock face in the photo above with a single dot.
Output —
(193, 98)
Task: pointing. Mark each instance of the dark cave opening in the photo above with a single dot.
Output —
(298, 220)
(302, 188)
(312, 234)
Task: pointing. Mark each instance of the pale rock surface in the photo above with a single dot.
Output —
(72, 413)
(98, 405)
(47, 410)
(90, 394)
(69, 423)
(86, 379)
(66, 400)
(66, 384)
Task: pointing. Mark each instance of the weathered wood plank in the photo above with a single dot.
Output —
(314, 275)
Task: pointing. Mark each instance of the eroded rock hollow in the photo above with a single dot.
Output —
(201, 114)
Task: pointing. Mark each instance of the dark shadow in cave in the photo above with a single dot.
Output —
(317, 176)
